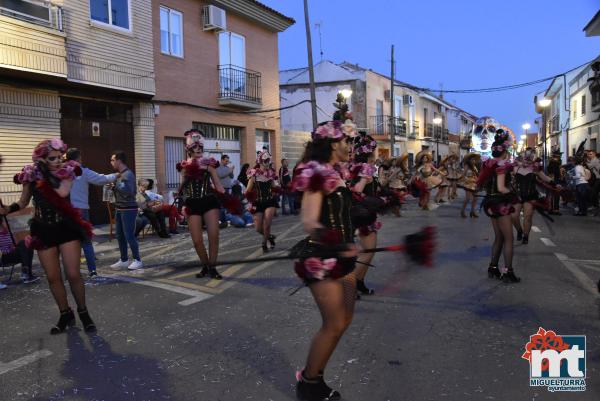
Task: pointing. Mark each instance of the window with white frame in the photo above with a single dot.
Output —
(171, 32)
(111, 12)
(583, 105)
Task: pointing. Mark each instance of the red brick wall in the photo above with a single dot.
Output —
(194, 80)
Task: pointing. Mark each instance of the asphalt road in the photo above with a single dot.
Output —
(441, 333)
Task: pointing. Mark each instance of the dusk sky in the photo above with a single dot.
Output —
(463, 44)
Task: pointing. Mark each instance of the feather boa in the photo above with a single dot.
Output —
(32, 172)
(63, 205)
(257, 173)
(314, 176)
(196, 168)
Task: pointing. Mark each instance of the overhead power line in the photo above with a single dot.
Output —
(492, 89)
(197, 106)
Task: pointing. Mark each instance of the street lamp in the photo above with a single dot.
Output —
(437, 121)
(346, 93)
(544, 102)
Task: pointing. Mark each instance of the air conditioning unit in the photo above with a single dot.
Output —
(387, 95)
(214, 19)
(408, 100)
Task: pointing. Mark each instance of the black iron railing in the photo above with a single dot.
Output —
(239, 84)
(383, 125)
(414, 132)
(555, 125)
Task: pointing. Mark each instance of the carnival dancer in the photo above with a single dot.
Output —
(427, 178)
(468, 182)
(526, 174)
(325, 215)
(556, 174)
(201, 203)
(451, 165)
(365, 187)
(498, 204)
(57, 228)
(262, 179)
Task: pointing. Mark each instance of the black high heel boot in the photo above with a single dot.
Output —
(362, 288)
(525, 239)
(265, 248)
(315, 389)
(203, 272)
(214, 274)
(493, 272)
(272, 240)
(88, 324)
(508, 276)
(519, 235)
(67, 319)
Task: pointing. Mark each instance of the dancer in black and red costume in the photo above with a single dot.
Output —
(326, 204)
(262, 180)
(201, 203)
(365, 187)
(498, 204)
(57, 228)
(527, 171)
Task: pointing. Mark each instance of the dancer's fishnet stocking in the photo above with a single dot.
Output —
(335, 299)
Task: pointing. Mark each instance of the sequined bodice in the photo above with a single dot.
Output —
(197, 188)
(335, 212)
(263, 190)
(44, 210)
(491, 187)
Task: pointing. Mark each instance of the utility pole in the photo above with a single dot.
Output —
(392, 114)
(311, 70)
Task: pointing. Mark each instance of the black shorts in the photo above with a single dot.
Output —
(261, 206)
(46, 236)
(200, 206)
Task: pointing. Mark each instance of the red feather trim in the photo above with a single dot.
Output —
(63, 206)
(231, 203)
(420, 246)
(251, 196)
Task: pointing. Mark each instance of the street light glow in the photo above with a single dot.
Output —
(526, 126)
(544, 102)
(346, 93)
(523, 137)
(437, 120)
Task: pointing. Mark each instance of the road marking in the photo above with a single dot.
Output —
(232, 269)
(26, 360)
(547, 242)
(583, 278)
(196, 296)
(535, 229)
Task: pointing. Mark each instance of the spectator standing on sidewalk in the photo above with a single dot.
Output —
(126, 208)
(285, 179)
(225, 173)
(582, 187)
(80, 200)
(593, 164)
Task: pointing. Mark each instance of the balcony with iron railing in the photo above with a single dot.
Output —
(414, 130)
(382, 126)
(436, 133)
(239, 87)
(555, 124)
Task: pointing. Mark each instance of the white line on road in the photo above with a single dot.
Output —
(547, 242)
(535, 229)
(26, 360)
(197, 296)
(583, 278)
